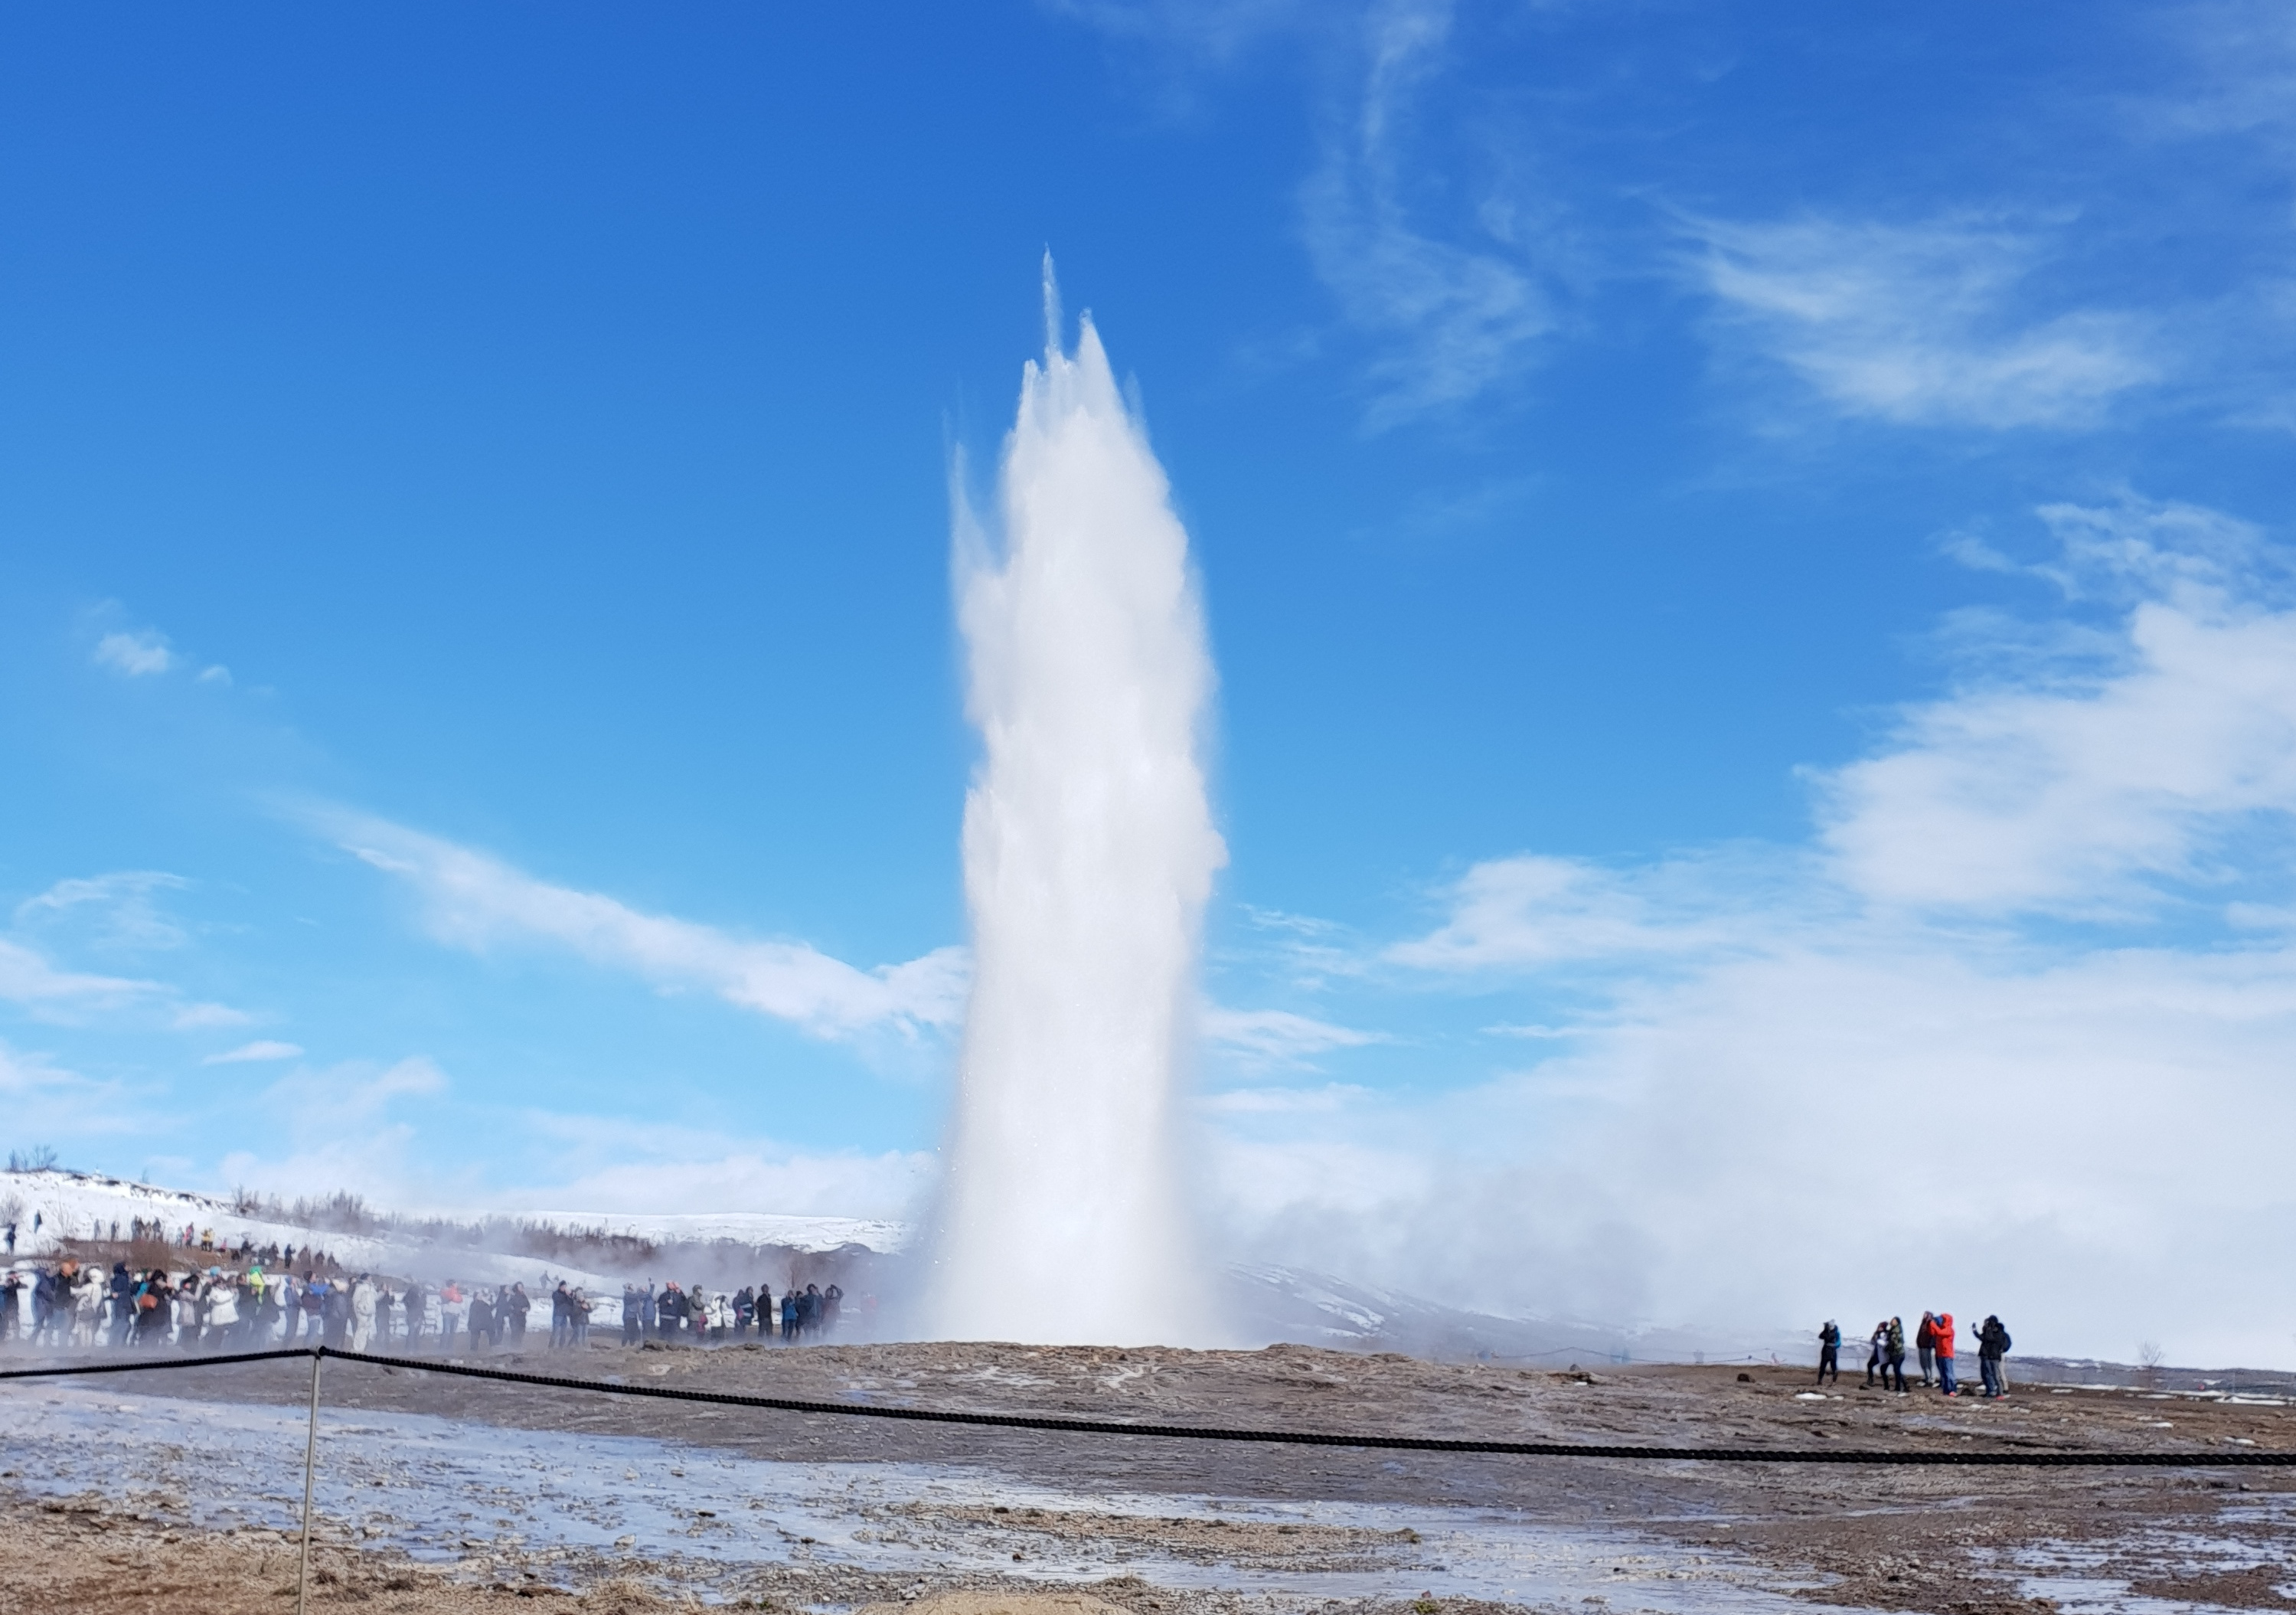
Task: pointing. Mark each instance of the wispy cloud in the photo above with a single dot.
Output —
(356, 1091)
(41, 1102)
(261, 1049)
(1927, 324)
(1213, 31)
(1330, 1098)
(2115, 774)
(204, 1017)
(135, 655)
(2245, 51)
(27, 979)
(1534, 910)
(1274, 1038)
(334, 1129)
(1452, 284)
(121, 904)
(636, 1165)
(1453, 314)
(472, 900)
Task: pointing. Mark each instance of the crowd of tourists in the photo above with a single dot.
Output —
(1933, 1341)
(66, 1305)
(703, 1318)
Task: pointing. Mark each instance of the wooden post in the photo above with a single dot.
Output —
(310, 1456)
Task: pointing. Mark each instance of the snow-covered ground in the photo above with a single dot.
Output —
(46, 1208)
(88, 1205)
(742, 1227)
(49, 1206)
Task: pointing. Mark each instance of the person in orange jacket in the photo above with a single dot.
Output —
(1944, 1331)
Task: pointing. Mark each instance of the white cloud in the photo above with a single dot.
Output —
(332, 1130)
(43, 1102)
(1281, 1101)
(261, 1049)
(1270, 1037)
(1922, 325)
(1454, 318)
(472, 900)
(623, 1165)
(1451, 283)
(27, 979)
(2245, 51)
(1881, 1073)
(121, 904)
(135, 655)
(204, 1017)
(1208, 30)
(2094, 784)
(1535, 1031)
(1536, 910)
(351, 1093)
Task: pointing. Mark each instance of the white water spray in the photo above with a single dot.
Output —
(1088, 854)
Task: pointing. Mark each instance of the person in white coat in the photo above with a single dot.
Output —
(362, 1312)
(187, 1312)
(88, 1328)
(223, 1309)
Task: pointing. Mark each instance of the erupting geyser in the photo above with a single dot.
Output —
(1088, 854)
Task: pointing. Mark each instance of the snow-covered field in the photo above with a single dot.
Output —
(817, 1234)
(87, 1205)
(48, 1208)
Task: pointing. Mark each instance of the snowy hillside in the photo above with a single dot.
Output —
(755, 1228)
(49, 1206)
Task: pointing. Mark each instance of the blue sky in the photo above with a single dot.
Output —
(1746, 551)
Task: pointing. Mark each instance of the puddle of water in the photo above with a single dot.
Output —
(2073, 1574)
(444, 1490)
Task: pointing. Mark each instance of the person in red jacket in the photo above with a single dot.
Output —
(1944, 1331)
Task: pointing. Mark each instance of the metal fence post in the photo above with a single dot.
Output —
(310, 1456)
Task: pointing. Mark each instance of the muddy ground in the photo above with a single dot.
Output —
(1941, 1538)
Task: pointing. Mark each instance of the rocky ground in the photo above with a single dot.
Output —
(1153, 1525)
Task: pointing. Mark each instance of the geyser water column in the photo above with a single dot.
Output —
(1089, 852)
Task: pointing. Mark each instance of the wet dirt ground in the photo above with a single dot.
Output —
(832, 1512)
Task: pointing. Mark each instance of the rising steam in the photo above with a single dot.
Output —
(1088, 854)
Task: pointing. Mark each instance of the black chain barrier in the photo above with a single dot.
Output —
(1206, 1433)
